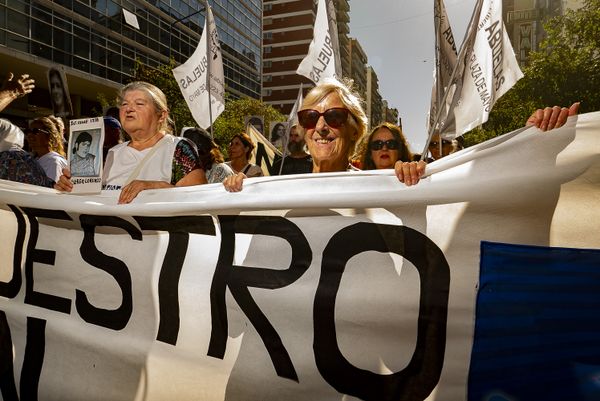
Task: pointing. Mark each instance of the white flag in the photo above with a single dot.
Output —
(487, 67)
(204, 70)
(293, 117)
(333, 33)
(445, 62)
(320, 61)
(264, 152)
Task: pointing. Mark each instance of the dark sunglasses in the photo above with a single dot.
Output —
(436, 143)
(391, 144)
(334, 117)
(35, 131)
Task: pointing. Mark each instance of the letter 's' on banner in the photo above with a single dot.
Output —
(193, 76)
(320, 62)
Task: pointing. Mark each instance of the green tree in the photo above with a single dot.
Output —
(566, 69)
(231, 121)
(163, 78)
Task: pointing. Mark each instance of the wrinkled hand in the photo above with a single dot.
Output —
(131, 190)
(234, 183)
(19, 87)
(552, 117)
(410, 172)
(64, 183)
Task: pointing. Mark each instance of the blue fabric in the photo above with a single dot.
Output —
(537, 327)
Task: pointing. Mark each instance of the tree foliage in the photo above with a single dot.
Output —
(229, 123)
(564, 70)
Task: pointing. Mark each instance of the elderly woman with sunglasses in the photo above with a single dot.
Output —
(332, 120)
(384, 147)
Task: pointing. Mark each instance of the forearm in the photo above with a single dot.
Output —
(6, 98)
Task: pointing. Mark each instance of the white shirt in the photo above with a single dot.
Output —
(53, 163)
(122, 160)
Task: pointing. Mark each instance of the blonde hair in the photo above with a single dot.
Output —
(158, 99)
(349, 98)
(54, 126)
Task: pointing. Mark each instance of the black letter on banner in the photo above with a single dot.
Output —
(113, 319)
(179, 229)
(11, 289)
(32, 297)
(421, 375)
(239, 278)
(35, 349)
(262, 157)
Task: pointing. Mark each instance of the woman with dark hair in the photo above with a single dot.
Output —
(83, 163)
(210, 156)
(384, 146)
(240, 149)
(61, 104)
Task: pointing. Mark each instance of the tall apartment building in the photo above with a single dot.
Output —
(358, 67)
(374, 102)
(524, 22)
(287, 32)
(97, 49)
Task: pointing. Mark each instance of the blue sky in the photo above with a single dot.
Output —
(398, 38)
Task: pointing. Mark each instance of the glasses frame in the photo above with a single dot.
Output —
(378, 144)
(327, 114)
(35, 131)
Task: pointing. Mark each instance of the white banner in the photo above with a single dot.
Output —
(320, 61)
(193, 76)
(445, 62)
(486, 68)
(332, 286)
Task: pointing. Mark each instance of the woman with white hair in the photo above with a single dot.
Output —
(153, 158)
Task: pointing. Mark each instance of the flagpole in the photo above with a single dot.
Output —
(476, 11)
(173, 25)
(208, 80)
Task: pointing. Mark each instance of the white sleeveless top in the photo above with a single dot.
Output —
(122, 160)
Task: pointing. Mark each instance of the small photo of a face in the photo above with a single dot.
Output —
(84, 162)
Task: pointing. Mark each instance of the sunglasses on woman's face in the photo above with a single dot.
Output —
(35, 131)
(391, 144)
(434, 144)
(334, 117)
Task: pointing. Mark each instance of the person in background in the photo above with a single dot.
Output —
(239, 150)
(61, 104)
(15, 163)
(153, 158)
(210, 155)
(112, 135)
(383, 147)
(545, 119)
(297, 161)
(45, 140)
(434, 147)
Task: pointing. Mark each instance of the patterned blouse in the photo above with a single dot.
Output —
(18, 165)
(185, 160)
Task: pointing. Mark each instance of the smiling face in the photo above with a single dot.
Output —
(139, 117)
(330, 147)
(383, 158)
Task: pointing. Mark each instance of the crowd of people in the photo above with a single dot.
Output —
(331, 136)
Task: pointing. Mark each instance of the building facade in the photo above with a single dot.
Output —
(287, 32)
(374, 102)
(524, 21)
(97, 48)
(358, 67)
